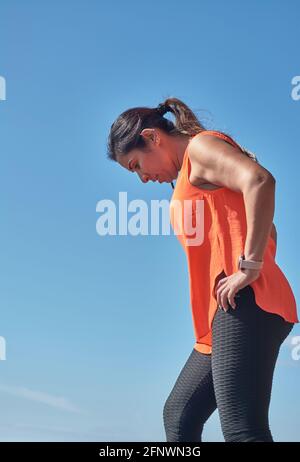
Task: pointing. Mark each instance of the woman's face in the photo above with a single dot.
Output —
(157, 164)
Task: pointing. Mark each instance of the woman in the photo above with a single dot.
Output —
(242, 304)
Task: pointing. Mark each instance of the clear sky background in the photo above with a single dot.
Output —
(97, 328)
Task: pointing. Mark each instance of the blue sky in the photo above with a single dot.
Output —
(97, 328)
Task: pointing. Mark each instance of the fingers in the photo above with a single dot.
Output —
(222, 296)
(230, 298)
(227, 297)
(218, 290)
(220, 283)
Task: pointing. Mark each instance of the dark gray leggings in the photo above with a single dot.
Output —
(236, 378)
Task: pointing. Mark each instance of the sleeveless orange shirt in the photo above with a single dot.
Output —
(213, 242)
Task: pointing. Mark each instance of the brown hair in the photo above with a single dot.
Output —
(125, 131)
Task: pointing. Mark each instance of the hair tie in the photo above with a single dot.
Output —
(162, 108)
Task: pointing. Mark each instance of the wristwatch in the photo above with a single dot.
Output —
(249, 264)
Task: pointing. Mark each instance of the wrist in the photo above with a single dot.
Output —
(250, 274)
(246, 263)
(249, 270)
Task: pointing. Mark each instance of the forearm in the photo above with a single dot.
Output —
(259, 198)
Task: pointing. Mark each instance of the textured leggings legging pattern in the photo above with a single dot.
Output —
(236, 378)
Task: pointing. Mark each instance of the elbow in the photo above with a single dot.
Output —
(263, 178)
(258, 181)
(270, 179)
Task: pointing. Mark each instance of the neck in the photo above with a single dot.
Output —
(179, 147)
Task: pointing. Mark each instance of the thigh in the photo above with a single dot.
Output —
(191, 400)
(245, 346)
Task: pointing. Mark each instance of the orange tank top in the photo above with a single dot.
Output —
(212, 242)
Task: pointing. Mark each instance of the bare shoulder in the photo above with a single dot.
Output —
(219, 162)
(209, 149)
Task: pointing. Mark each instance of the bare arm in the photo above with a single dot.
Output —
(274, 233)
(259, 203)
(218, 162)
(274, 236)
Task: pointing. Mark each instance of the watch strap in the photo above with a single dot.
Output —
(249, 264)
